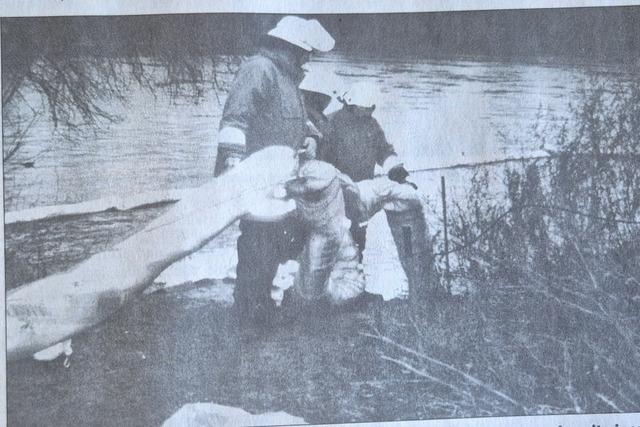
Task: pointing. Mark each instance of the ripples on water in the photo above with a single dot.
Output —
(435, 112)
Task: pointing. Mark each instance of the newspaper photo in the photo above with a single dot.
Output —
(286, 214)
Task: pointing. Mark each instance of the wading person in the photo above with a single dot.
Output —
(264, 108)
(355, 143)
(352, 141)
(318, 90)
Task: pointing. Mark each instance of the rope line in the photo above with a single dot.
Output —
(550, 156)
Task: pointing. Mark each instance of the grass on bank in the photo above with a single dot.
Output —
(552, 259)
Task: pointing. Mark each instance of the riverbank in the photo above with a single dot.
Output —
(180, 340)
(180, 346)
(506, 349)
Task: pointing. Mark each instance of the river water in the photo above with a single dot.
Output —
(436, 113)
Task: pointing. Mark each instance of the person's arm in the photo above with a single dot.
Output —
(325, 150)
(386, 155)
(240, 110)
(309, 148)
(389, 161)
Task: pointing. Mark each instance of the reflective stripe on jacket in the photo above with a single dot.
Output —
(265, 102)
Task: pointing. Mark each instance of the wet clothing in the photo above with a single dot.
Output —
(265, 102)
(359, 235)
(322, 124)
(328, 264)
(355, 144)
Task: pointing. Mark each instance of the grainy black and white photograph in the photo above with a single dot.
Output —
(220, 219)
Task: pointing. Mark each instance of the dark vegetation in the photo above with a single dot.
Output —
(78, 65)
(552, 263)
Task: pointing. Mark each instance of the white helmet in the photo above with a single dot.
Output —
(362, 94)
(307, 34)
(324, 83)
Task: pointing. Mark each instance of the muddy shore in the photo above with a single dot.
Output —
(176, 347)
(179, 346)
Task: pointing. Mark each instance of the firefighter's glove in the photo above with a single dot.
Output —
(309, 148)
(399, 174)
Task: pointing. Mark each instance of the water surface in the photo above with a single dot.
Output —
(436, 113)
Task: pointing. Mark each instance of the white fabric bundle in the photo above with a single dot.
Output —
(329, 265)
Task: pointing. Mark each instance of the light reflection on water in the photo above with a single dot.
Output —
(436, 113)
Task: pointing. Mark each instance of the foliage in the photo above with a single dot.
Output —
(76, 67)
(553, 262)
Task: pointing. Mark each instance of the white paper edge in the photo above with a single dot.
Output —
(142, 7)
(14, 8)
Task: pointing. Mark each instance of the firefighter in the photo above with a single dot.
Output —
(265, 107)
(356, 143)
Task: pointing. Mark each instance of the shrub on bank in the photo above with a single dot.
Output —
(553, 261)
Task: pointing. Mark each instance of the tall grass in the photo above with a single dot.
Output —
(553, 258)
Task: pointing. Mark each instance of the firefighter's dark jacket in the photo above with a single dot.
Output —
(355, 144)
(265, 102)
